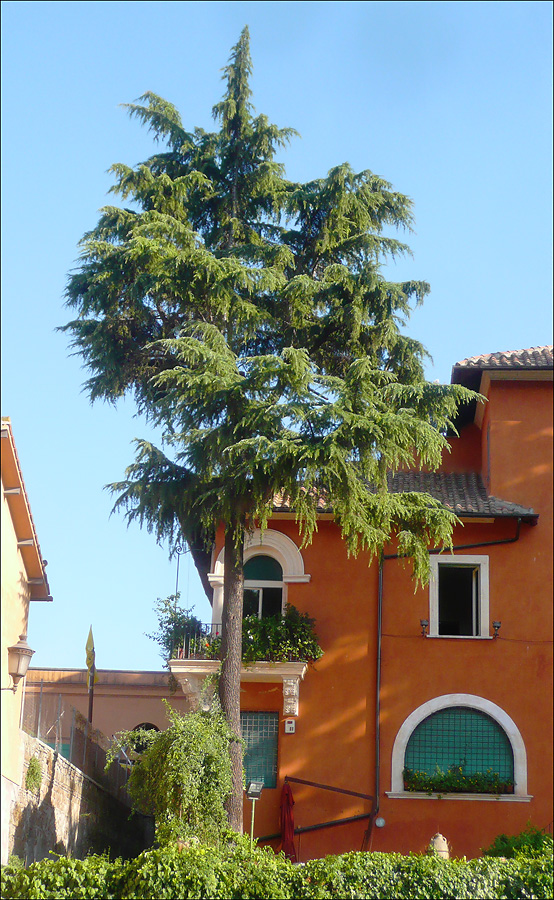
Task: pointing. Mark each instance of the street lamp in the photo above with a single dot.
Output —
(253, 793)
(19, 657)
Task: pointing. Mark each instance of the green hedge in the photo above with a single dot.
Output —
(204, 872)
(531, 842)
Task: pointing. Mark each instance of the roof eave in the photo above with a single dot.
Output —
(16, 495)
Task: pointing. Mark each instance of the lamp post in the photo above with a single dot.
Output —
(253, 793)
(19, 657)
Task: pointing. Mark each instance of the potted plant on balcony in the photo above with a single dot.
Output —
(288, 638)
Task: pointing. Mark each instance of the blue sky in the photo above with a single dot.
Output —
(451, 102)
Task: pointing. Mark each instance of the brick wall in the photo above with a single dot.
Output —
(71, 814)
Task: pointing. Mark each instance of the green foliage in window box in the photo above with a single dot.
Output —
(531, 842)
(33, 777)
(231, 870)
(456, 781)
(288, 638)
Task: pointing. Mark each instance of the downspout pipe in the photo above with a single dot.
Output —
(382, 558)
(378, 687)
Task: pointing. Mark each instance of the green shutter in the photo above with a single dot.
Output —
(260, 732)
(460, 736)
(262, 568)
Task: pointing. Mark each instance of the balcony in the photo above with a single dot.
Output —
(275, 649)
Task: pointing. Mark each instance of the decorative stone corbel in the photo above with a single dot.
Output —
(190, 674)
(291, 692)
(192, 686)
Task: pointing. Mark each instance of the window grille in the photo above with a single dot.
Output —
(260, 732)
(460, 736)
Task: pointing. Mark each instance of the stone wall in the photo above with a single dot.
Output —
(71, 814)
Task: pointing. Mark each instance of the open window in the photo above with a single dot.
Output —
(263, 587)
(459, 596)
(272, 561)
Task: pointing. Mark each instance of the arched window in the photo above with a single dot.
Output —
(272, 561)
(263, 587)
(460, 730)
(144, 726)
(462, 741)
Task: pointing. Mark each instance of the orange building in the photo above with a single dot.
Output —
(431, 708)
(456, 676)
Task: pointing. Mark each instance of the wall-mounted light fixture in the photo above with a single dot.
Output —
(496, 626)
(253, 793)
(424, 623)
(19, 657)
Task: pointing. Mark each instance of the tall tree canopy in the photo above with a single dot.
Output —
(251, 319)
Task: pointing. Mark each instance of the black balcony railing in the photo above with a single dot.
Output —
(200, 641)
(288, 638)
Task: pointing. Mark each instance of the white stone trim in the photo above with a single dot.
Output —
(279, 545)
(191, 674)
(459, 560)
(269, 543)
(474, 702)
(498, 798)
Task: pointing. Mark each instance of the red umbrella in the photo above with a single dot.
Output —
(287, 823)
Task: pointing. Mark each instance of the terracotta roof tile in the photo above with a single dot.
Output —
(463, 493)
(533, 358)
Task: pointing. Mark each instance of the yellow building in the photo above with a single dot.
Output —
(23, 580)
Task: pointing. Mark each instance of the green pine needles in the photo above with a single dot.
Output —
(250, 318)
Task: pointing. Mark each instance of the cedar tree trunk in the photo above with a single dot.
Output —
(231, 660)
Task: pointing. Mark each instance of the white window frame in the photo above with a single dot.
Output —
(481, 625)
(473, 702)
(268, 543)
(259, 584)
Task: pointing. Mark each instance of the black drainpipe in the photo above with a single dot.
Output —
(378, 688)
(382, 558)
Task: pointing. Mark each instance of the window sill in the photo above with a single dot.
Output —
(462, 637)
(421, 795)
